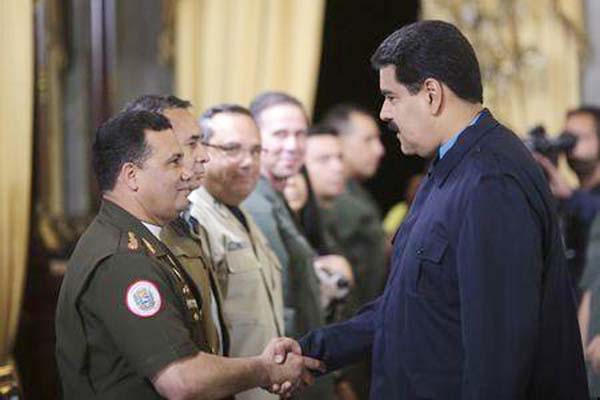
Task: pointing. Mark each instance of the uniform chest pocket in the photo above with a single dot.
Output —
(241, 260)
(241, 285)
(433, 278)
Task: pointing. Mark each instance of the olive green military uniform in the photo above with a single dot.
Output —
(249, 274)
(189, 246)
(355, 223)
(126, 310)
(301, 292)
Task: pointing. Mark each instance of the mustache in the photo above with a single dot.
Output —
(392, 126)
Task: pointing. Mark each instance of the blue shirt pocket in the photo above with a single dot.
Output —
(432, 281)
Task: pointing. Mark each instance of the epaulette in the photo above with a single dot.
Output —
(132, 242)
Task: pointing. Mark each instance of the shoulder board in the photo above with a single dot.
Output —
(130, 241)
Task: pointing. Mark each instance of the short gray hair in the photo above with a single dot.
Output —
(206, 131)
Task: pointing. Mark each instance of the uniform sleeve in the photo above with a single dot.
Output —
(499, 268)
(133, 299)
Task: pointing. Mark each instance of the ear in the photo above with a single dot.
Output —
(128, 176)
(434, 91)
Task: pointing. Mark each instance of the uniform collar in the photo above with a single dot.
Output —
(352, 185)
(470, 136)
(201, 195)
(448, 145)
(179, 239)
(265, 188)
(110, 212)
(154, 229)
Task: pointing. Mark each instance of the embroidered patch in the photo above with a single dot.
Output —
(143, 299)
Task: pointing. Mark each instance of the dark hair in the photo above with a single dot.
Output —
(122, 139)
(206, 131)
(593, 111)
(267, 100)
(156, 103)
(432, 49)
(339, 116)
(322, 129)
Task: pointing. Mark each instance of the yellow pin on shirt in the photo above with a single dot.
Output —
(132, 242)
(149, 246)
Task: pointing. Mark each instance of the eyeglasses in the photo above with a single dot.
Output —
(236, 151)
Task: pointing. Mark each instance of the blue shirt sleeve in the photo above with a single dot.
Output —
(343, 343)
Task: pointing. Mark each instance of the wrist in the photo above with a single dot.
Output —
(263, 366)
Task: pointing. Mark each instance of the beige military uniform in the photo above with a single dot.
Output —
(249, 276)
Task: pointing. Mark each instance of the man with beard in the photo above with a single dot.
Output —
(579, 206)
(248, 271)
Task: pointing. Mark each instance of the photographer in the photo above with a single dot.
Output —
(579, 206)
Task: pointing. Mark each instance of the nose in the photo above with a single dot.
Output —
(186, 174)
(291, 143)
(338, 165)
(246, 159)
(201, 155)
(384, 113)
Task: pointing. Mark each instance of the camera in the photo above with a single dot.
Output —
(550, 147)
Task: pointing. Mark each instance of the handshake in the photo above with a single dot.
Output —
(287, 370)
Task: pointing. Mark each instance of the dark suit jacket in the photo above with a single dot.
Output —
(478, 304)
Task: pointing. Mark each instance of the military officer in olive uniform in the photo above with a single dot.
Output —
(128, 319)
(183, 236)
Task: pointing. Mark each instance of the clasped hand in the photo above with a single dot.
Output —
(287, 369)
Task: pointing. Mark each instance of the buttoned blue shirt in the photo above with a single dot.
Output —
(478, 303)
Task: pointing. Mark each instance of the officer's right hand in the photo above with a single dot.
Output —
(287, 369)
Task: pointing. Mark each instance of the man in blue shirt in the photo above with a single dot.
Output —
(478, 304)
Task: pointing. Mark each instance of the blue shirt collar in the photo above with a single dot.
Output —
(448, 145)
